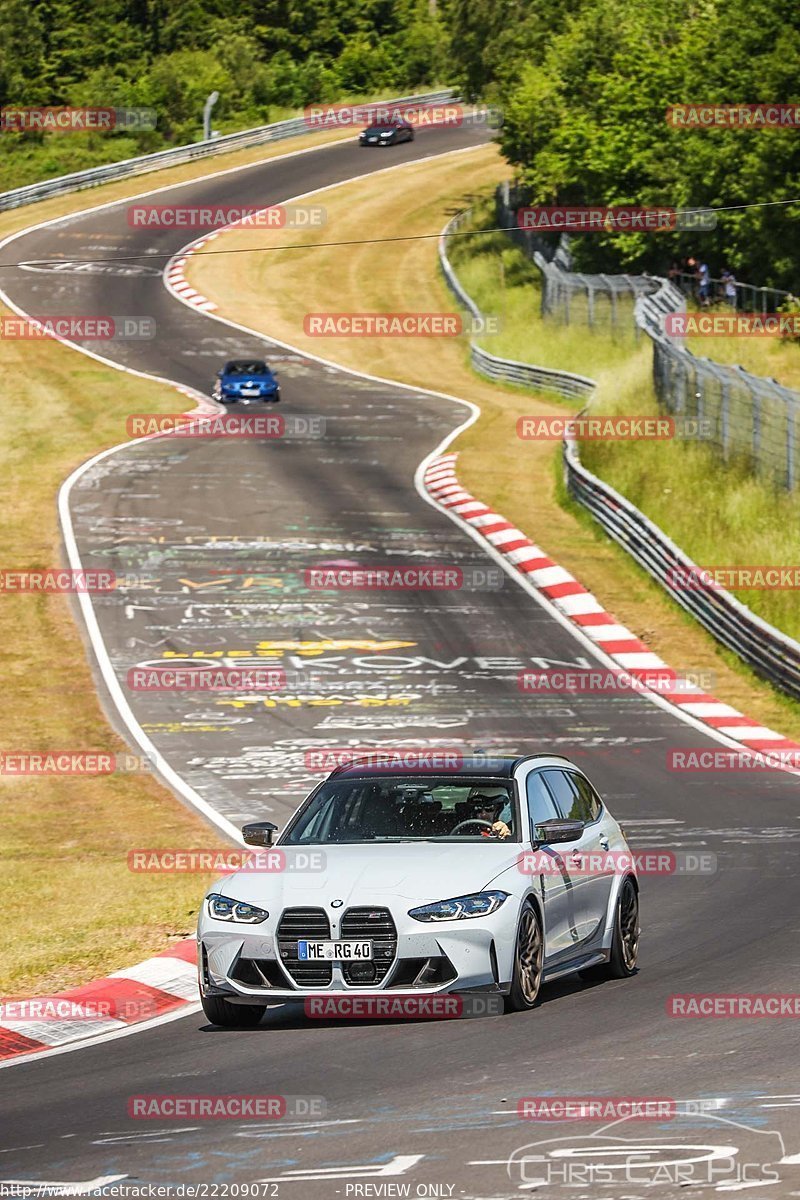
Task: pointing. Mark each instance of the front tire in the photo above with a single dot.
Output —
(528, 956)
(232, 1016)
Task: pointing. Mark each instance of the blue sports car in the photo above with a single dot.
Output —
(245, 380)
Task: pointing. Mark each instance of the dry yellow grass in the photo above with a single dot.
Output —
(770, 357)
(272, 292)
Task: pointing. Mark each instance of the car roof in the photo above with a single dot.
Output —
(501, 766)
(241, 364)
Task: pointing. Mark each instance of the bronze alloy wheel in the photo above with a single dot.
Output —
(625, 941)
(528, 956)
(629, 925)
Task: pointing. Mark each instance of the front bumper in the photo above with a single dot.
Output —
(238, 398)
(252, 964)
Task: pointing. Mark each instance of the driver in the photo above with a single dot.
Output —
(488, 808)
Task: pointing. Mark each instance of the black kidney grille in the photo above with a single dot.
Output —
(374, 925)
(302, 923)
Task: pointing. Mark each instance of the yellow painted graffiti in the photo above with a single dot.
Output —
(278, 649)
(272, 582)
(319, 701)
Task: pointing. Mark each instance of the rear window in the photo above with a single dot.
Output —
(574, 796)
(563, 792)
(246, 366)
(589, 798)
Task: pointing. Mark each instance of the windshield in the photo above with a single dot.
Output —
(382, 128)
(246, 366)
(406, 810)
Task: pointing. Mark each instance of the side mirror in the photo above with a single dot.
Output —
(259, 833)
(551, 832)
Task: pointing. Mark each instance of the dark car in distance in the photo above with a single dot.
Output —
(386, 133)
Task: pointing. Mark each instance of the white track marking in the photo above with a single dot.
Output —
(396, 1166)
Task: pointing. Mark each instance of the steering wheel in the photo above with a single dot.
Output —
(471, 821)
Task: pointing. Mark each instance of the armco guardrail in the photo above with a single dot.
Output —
(182, 154)
(525, 374)
(770, 653)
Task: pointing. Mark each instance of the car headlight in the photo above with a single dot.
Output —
(480, 904)
(224, 909)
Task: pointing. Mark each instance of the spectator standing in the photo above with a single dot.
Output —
(704, 275)
(729, 286)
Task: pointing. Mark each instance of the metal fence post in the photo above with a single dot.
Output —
(724, 416)
(699, 394)
(789, 446)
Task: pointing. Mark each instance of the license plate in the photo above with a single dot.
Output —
(335, 951)
(250, 391)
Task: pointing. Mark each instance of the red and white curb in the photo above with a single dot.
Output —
(149, 989)
(583, 610)
(178, 282)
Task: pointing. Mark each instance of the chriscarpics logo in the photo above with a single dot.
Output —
(701, 1150)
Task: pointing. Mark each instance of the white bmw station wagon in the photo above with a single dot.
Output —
(492, 876)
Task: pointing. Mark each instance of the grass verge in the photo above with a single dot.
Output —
(771, 357)
(273, 292)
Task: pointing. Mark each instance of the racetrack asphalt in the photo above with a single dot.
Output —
(216, 536)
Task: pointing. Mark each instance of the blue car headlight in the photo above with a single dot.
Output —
(222, 908)
(479, 904)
